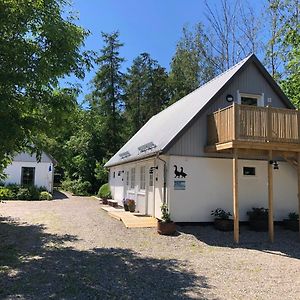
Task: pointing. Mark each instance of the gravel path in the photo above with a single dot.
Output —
(71, 249)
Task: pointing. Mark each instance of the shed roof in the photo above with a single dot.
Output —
(155, 136)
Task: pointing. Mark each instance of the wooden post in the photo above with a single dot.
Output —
(270, 197)
(235, 195)
(298, 171)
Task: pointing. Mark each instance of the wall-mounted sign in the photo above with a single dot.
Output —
(179, 184)
(179, 174)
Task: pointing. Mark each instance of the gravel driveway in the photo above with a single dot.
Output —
(71, 249)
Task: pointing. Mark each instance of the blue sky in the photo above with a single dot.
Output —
(152, 26)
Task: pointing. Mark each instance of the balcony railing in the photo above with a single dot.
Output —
(253, 124)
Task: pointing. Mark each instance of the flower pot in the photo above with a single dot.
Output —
(126, 208)
(223, 224)
(104, 201)
(291, 224)
(131, 208)
(166, 228)
(258, 224)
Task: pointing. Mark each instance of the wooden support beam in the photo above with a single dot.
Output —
(235, 195)
(270, 197)
(298, 171)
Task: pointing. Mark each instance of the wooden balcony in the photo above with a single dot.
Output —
(254, 128)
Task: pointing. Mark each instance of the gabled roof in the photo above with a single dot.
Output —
(159, 132)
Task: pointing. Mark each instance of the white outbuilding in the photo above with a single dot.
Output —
(25, 169)
(233, 143)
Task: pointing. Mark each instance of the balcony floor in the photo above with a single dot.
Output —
(253, 145)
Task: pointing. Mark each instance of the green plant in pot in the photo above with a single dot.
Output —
(258, 218)
(165, 226)
(104, 193)
(292, 223)
(131, 205)
(222, 221)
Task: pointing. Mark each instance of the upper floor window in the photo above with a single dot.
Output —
(250, 99)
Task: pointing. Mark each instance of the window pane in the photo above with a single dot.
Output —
(132, 181)
(143, 178)
(27, 176)
(249, 171)
(249, 101)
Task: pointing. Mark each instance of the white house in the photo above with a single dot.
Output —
(26, 169)
(216, 147)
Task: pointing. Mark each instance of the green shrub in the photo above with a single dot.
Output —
(6, 194)
(45, 196)
(77, 187)
(28, 193)
(104, 191)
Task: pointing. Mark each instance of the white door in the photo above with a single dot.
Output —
(150, 196)
(125, 184)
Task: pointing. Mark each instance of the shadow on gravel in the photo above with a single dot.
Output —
(57, 195)
(286, 242)
(37, 265)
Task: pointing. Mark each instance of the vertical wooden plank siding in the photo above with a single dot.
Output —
(270, 198)
(235, 195)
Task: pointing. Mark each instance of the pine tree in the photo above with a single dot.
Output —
(106, 97)
(146, 91)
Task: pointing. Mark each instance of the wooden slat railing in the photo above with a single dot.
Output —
(251, 123)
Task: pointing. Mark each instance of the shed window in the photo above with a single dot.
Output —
(143, 178)
(27, 177)
(249, 171)
(132, 179)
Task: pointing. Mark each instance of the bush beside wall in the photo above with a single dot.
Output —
(18, 192)
(104, 191)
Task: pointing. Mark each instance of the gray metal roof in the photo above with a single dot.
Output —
(162, 128)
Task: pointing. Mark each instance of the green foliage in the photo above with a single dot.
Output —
(293, 216)
(78, 187)
(45, 196)
(104, 191)
(192, 64)
(220, 213)
(165, 215)
(39, 44)
(258, 213)
(101, 173)
(6, 194)
(146, 91)
(18, 192)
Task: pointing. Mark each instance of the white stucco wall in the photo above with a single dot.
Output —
(209, 186)
(43, 177)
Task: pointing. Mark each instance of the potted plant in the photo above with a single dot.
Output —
(131, 205)
(125, 204)
(165, 226)
(292, 223)
(222, 221)
(258, 219)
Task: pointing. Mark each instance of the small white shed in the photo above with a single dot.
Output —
(26, 169)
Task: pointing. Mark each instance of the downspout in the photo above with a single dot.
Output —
(165, 178)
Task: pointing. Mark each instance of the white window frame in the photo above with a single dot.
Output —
(142, 178)
(132, 178)
(259, 97)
